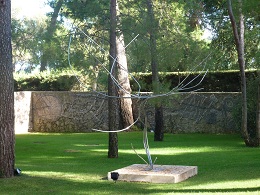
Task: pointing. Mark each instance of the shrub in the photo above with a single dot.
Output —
(45, 81)
(223, 81)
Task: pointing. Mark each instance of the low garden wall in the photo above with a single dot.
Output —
(84, 111)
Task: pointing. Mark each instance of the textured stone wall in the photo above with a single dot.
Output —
(68, 112)
(81, 112)
(201, 112)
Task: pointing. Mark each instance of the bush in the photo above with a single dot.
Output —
(45, 81)
(224, 81)
(65, 80)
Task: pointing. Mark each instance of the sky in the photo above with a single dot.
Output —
(29, 8)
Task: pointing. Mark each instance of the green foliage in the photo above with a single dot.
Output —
(214, 81)
(224, 81)
(60, 80)
(29, 41)
(223, 45)
(180, 45)
(26, 43)
(135, 128)
(45, 81)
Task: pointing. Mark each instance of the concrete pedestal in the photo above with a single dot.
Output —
(159, 174)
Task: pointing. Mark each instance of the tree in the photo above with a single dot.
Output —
(6, 93)
(30, 42)
(258, 114)
(112, 92)
(125, 100)
(49, 34)
(215, 17)
(26, 43)
(158, 131)
(238, 32)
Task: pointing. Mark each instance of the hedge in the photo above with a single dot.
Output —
(54, 81)
(225, 81)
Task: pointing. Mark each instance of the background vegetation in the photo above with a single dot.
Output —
(191, 34)
(68, 80)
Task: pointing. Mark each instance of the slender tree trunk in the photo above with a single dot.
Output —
(95, 73)
(158, 131)
(112, 102)
(7, 139)
(239, 41)
(258, 116)
(126, 111)
(50, 31)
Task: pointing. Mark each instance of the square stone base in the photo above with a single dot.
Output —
(159, 174)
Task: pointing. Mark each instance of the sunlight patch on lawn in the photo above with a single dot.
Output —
(52, 158)
(89, 145)
(166, 151)
(240, 185)
(224, 187)
(211, 192)
(173, 151)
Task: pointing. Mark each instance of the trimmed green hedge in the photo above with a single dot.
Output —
(53, 81)
(225, 81)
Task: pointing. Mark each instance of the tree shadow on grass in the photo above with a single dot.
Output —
(27, 184)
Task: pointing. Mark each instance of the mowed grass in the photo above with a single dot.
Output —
(78, 164)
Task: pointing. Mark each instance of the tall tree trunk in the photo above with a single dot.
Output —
(239, 41)
(258, 115)
(49, 34)
(126, 111)
(112, 102)
(7, 139)
(158, 131)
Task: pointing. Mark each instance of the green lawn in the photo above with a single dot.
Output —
(78, 164)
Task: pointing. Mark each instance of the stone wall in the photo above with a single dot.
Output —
(81, 112)
(201, 112)
(23, 112)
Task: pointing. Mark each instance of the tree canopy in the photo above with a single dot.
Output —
(181, 43)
